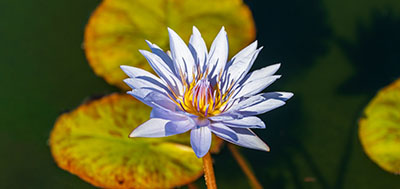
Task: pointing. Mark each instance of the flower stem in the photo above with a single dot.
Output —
(245, 167)
(209, 172)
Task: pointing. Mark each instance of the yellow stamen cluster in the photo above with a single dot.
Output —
(200, 97)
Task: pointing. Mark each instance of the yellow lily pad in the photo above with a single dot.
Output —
(92, 142)
(117, 29)
(379, 129)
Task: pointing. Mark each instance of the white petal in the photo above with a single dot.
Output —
(200, 139)
(238, 70)
(157, 127)
(254, 87)
(218, 55)
(245, 138)
(168, 114)
(256, 99)
(261, 73)
(136, 72)
(225, 117)
(284, 96)
(242, 61)
(249, 139)
(159, 52)
(153, 99)
(198, 48)
(262, 107)
(246, 122)
(223, 131)
(181, 55)
(260, 103)
(163, 71)
(151, 128)
(178, 127)
(147, 83)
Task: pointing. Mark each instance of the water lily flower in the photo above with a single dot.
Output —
(202, 92)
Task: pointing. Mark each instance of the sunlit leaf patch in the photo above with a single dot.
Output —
(92, 142)
(379, 129)
(117, 29)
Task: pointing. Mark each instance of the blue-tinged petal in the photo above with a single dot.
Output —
(226, 116)
(162, 70)
(152, 128)
(181, 55)
(246, 122)
(136, 72)
(259, 104)
(200, 139)
(256, 99)
(178, 127)
(254, 87)
(261, 73)
(146, 82)
(284, 96)
(198, 48)
(218, 55)
(245, 138)
(249, 139)
(223, 131)
(157, 127)
(163, 55)
(262, 107)
(253, 105)
(153, 99)
(241, 63)
(168, 114)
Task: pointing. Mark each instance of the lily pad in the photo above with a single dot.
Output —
(379, 129)
(92, 142)
(117, 29)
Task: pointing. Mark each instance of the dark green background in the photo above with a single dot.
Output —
(336, 54)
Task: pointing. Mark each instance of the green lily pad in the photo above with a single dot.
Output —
(92, 142)
(118, 29)
(379, 129)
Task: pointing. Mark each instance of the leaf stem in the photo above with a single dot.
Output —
(209, 172)
(245, 167)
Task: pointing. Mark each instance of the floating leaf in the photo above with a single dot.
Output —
(118, 28)
(380, 128)
(92, 142)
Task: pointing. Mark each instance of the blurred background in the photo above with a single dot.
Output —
(335, 54)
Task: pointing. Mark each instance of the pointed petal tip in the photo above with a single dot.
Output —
(171, 31)
(200, 140)
(289, 95)
(144, 52)
(199, 155)
(264, 147)
(223, 30)
(254, 43)
(126, 80)
(123, 67)
(133, 134)
(148, 42)
(195, 30)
